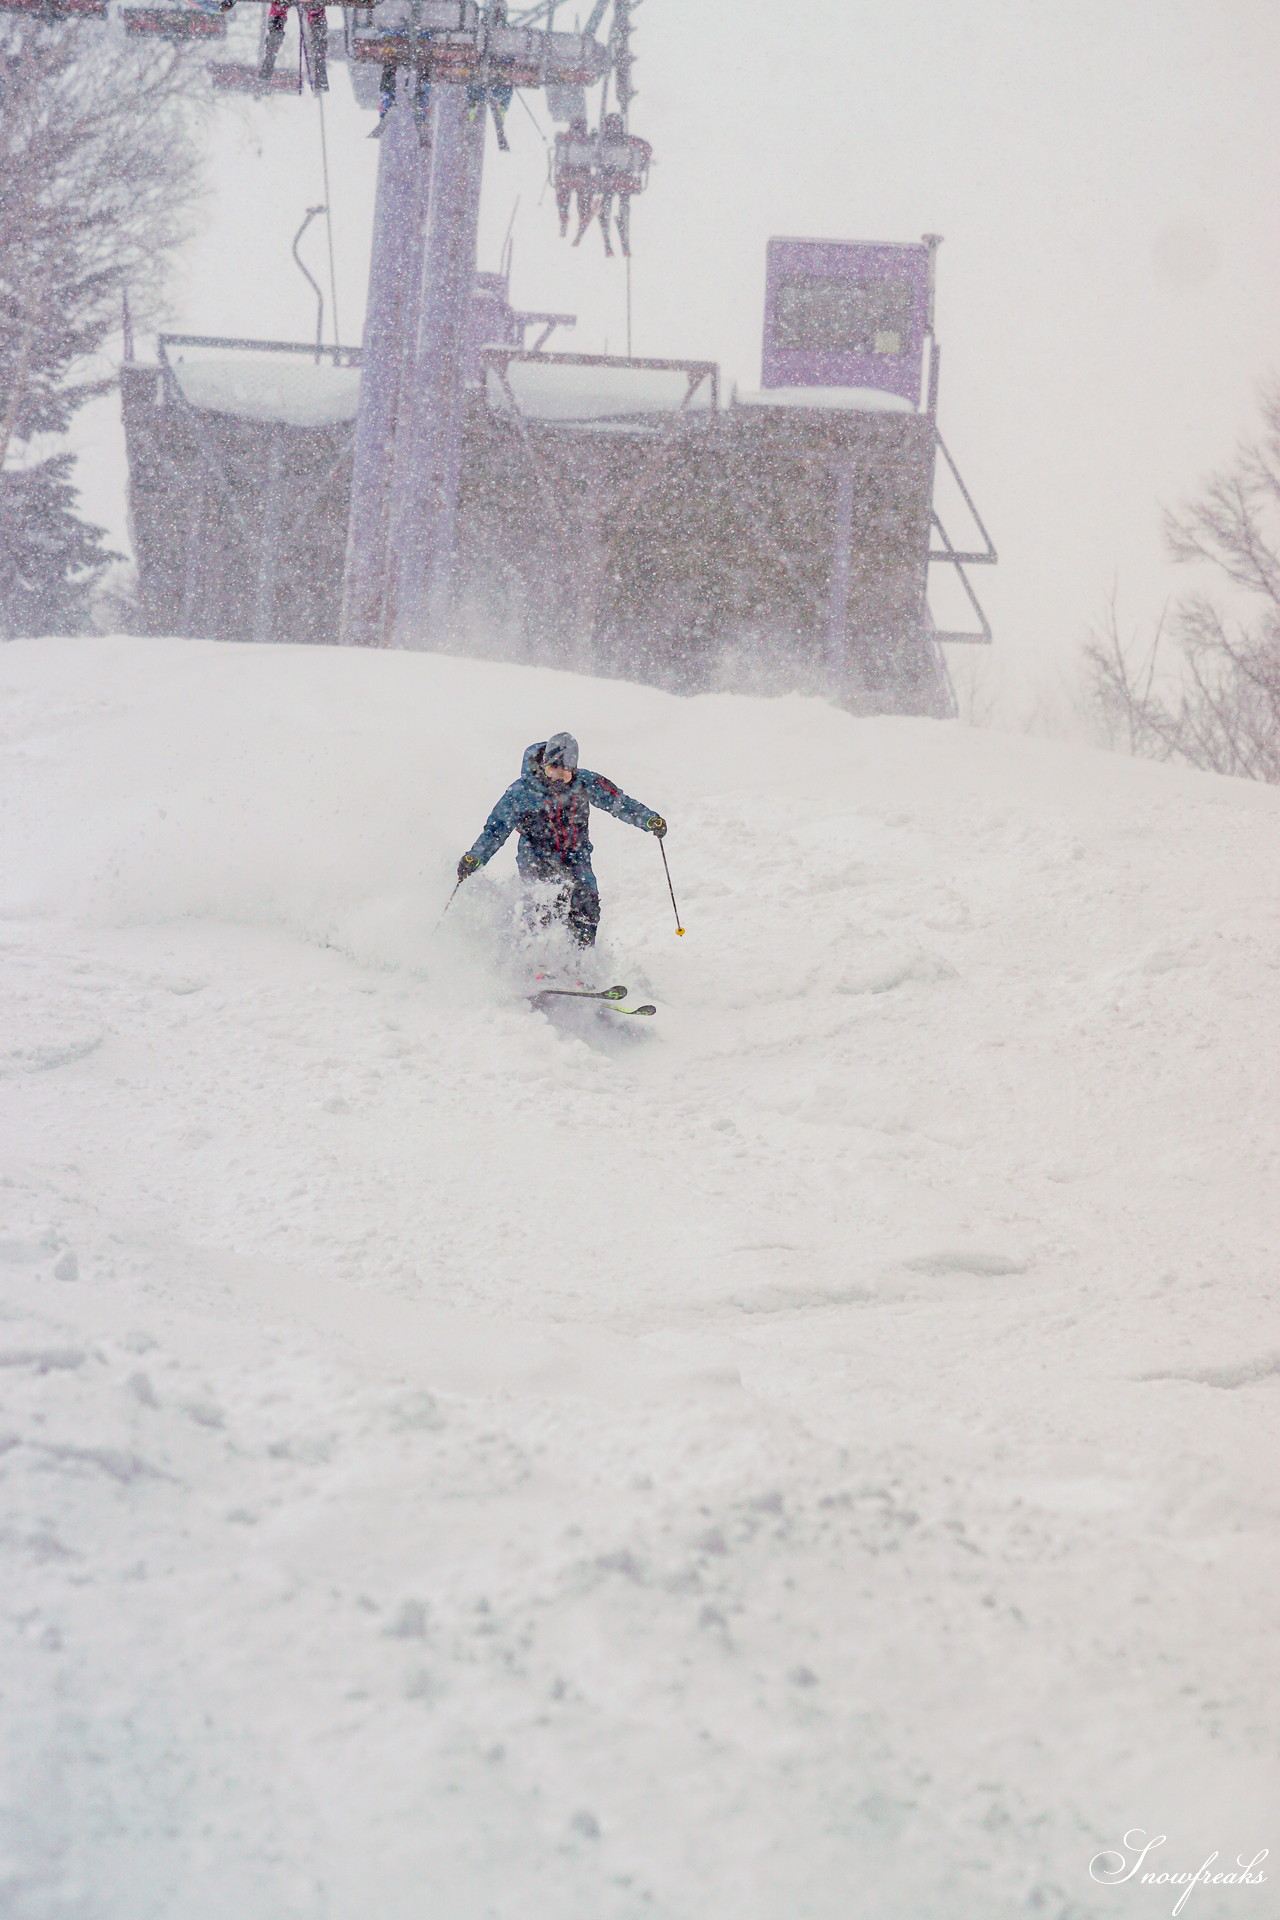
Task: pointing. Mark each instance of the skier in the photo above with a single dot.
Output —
(315, 36)
(623, 170)
(421, 100)
(549, 807)
(573, 172)
(499, 94)
(483, 86)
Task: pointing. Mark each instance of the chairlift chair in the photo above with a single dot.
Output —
(622, 168)
(573, 173)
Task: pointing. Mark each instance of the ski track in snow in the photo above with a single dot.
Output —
(813, 1456)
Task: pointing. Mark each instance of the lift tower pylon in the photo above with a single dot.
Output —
(429, 419)
(408, 445)
(390, 337)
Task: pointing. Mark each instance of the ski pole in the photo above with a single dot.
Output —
(670, 889)
(448, 903)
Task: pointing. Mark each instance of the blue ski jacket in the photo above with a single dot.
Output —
(552, 817)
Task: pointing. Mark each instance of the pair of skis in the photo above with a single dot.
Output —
(607, 996)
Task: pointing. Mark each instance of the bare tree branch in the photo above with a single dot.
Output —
(1217, 705)
(98, 181)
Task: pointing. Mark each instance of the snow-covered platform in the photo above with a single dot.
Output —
(813, 1460)
(826, 399)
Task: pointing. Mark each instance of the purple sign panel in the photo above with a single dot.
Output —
(841, 313)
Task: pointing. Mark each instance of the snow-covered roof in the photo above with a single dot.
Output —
(829, 399)
(552, 391)
(297, 392)
(279, 387)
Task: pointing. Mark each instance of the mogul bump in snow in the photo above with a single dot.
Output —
(549, 807)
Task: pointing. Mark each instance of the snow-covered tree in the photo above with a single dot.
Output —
(50, 559)
(98, 177)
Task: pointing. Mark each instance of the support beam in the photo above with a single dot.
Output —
(272, 515)
(840, 575)
(395, 283)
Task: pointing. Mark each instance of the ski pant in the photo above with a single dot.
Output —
(576, 900)
(421, 96)
(499, 97)
(586, 207)
(624, 219)
(316, 35)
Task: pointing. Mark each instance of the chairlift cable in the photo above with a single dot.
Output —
(529, 110)
(328, 219)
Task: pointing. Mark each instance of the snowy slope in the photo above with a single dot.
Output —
(811, 1454)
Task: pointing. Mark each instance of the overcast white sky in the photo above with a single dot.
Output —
(1105, 173)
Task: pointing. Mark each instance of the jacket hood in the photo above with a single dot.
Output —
(532, 765)
(561, 750)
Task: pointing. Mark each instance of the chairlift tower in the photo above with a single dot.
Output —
(408, 446)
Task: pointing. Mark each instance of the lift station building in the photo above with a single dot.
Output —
(617, 516)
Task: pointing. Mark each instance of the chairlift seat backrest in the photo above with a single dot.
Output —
(175, 23)
(232, 76)
(55, 10)
(572, 60)
(447, 39)
(624, 163)
(575, 158)
(416, 17)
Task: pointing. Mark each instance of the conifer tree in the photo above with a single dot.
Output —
(98, 178)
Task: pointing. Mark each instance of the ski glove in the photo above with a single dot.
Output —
(656, 824)
(466, 866)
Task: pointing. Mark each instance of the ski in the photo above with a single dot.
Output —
(577, 993)
(606, 996)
